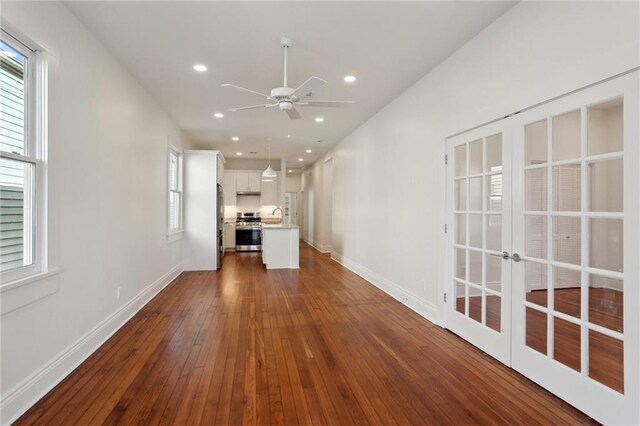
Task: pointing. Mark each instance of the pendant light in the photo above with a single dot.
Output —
(269, 174)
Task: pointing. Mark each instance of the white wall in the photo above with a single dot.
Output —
(317, 206)
(293, 182)
(390, 171)
(107, 202)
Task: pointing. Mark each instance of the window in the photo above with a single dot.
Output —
(175, 191)
(20, 162)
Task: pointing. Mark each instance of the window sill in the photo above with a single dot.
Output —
(24, 291)
(174, 236)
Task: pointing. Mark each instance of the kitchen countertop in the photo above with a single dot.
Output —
(271, 221)
(279, 226)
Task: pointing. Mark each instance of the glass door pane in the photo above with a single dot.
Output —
(574, 239)
(478, 229)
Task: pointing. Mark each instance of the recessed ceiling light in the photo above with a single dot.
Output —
(290, 171)
(200, 67)
(235, 139)
(288, 136)
(319, 119)
(300, 159)
(308, 151)
(218, 115)
(238, 153)
(350, 78)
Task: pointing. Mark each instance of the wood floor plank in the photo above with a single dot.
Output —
(317, 346)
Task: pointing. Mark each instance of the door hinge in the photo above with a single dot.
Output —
(445, 228)
(445, 298)
(446, 159)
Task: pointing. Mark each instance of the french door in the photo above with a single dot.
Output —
(566, 204)
(480, 202)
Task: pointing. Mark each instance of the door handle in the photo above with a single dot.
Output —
(504, 255)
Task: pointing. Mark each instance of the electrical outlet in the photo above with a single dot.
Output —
(118, 293)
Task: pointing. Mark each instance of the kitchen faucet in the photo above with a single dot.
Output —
(273, 213)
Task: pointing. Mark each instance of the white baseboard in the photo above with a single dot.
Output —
(18, 400)
(320, 247)
(422, 307)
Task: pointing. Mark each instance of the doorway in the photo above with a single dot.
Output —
(291, 208)
(543, 253)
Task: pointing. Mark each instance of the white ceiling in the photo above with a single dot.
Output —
(388, 46)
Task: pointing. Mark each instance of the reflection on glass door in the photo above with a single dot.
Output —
(478, 262)
(561, 222)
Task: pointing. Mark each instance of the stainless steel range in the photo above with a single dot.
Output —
(248, 232)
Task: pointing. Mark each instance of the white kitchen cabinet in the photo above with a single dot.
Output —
(255, 181)
(242, 181)
(229, 236)
(248, 181)
(203, 212)
(230, 188)
(280, 246)
(270, 192)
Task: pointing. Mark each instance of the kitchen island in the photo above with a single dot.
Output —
(280, 246)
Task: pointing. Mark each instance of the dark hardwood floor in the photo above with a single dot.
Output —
(314, 346)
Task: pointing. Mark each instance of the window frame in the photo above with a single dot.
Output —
(35, 154)
(174, 233)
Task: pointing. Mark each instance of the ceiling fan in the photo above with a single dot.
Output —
(288, 98)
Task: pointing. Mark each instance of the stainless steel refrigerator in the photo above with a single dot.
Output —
(220, 226)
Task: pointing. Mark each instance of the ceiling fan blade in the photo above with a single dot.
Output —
(293, 114)
(328, 104)
(252, 107)
(243, 89)
(308, 87)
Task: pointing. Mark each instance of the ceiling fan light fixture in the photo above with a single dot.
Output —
(289, 98)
